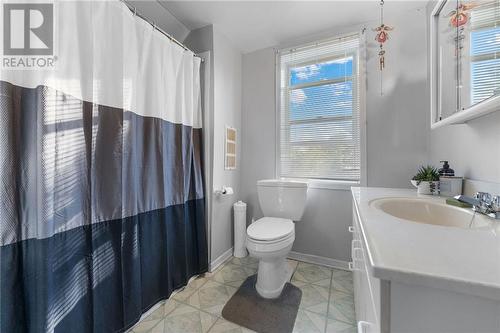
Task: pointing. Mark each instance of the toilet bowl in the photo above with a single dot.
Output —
(271, 238)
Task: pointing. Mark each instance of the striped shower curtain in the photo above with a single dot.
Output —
(101, 190)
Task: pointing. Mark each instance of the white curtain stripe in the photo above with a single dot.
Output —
(105, 53)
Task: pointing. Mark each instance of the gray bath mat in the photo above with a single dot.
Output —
(246, 308)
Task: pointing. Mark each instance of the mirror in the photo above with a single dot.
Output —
(465, 56)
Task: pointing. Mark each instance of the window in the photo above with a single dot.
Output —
(319, 111)
(485, 52)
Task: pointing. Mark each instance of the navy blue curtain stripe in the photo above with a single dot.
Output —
(101, 212)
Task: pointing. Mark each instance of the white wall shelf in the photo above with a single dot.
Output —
(479, 110)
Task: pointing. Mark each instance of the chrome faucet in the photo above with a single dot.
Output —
(483, 203)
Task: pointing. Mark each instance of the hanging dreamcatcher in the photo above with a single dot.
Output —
(381, 37)
(458, 19)
(460, 16)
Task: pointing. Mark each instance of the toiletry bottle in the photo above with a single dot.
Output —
(449, 185)
(446, 170)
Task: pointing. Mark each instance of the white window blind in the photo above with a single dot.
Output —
(319, 110)
(485, 51)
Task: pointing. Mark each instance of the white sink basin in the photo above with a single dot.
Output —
(430, 212)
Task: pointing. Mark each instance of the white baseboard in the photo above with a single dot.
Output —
(220, 260)
(309, 258)
(312, 259)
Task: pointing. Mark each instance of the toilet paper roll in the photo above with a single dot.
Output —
(240, 229)
(224, 191)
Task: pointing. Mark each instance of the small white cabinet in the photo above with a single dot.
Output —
(402, 307)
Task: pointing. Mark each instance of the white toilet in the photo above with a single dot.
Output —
(270, 238)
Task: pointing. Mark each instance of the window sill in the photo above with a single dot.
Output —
(327, 184)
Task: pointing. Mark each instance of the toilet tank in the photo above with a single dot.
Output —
(282, 198)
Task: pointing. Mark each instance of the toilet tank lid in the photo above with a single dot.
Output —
(283, 182)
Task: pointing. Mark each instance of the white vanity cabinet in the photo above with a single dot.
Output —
(392, 296)
(367, 297)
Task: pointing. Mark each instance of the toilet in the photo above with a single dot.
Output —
(270, 238)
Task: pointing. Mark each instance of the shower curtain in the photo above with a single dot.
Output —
(101, 190)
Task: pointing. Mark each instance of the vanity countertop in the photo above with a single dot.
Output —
(456, 259)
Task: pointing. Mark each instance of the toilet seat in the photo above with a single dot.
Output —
(270, 230)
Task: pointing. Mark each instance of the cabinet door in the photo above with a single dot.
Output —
(369, 320)
(366, 314)
(356, 267)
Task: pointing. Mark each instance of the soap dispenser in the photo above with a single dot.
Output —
(446, 170)
(449, 184)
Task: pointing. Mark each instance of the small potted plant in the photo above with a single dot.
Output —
(426, 180)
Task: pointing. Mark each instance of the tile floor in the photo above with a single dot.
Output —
(327, 303)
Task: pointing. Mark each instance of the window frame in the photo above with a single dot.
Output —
(359, 62)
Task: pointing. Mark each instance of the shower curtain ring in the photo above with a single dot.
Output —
(135, 11)
(154, 26)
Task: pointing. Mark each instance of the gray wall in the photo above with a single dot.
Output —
(398, 122)
(227, 111)
(259, 125)
(397, 131)
(226, 105)
(473, 149)
(201, 40)
(155, 12)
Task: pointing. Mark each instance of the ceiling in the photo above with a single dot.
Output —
(253, 25)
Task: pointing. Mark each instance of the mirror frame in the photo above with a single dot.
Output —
(480, 109)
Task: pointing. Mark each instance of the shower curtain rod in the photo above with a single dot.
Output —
(136, 13)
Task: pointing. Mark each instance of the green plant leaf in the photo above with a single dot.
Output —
(426, 174)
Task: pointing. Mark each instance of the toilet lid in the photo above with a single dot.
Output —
(270, 228)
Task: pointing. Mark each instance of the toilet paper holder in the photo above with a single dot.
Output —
(225, 190)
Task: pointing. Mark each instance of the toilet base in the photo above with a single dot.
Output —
(272, 276)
